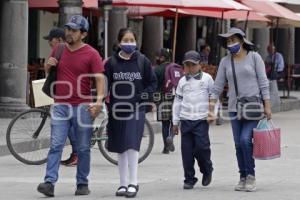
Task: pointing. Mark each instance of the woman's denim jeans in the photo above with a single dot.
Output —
(243, 134)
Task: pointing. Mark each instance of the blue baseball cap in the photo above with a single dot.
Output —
(78, 22)
(55, 33)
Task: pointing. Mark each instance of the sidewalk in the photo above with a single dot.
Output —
(160, 176)
(286, 105)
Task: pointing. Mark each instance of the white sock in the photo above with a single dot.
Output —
(133, 158)
(123, 169)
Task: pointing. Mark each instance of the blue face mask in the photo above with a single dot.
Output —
(128, 48)
(234, 48)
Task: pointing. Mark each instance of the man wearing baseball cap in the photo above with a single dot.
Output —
(73, 106)
(190, 109)
(55, 36)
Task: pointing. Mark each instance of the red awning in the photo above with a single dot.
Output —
(89, 6)
(207, 4)
(53, 4)
(164, 12)
(271, 9)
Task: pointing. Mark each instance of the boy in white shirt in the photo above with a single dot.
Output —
(191, 110)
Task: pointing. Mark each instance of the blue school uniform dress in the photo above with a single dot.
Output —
(127, 82)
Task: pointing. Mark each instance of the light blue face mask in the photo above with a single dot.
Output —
(234, 48)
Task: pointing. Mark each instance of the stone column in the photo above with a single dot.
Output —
(261, 38)
(186, 37)
(285, 44)
(152, 36)
(297, 45)
(13, 56)
(117, 20)
(68, 8)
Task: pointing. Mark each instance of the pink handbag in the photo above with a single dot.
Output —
(266, 141)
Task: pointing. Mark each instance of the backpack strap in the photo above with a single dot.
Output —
(141, 63)
(59, 51)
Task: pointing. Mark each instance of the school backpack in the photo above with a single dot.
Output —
(173, 73)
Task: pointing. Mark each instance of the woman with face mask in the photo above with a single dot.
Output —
(243, 68)
(130, 77)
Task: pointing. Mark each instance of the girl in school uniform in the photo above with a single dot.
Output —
(130, 76)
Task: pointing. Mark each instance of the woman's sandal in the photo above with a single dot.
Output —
(132, 194)
(121, 193)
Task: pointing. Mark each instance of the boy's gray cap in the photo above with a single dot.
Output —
(191, 56)
(222, 38)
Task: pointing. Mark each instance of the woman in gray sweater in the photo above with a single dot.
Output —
(252, 82)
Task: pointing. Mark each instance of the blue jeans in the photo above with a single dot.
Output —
(72, 138)
(243, 134)
(63, 117)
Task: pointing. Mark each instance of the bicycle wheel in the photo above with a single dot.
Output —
(146, 144)
(28, 136)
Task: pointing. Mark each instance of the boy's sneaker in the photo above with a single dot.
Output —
(170, 144)
(46, 188)
(190, 185)
(82, 189)
(241, 185)
(71, 161)
(206, 179)
(165, 151)
(250, 185)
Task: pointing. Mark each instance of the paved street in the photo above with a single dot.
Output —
(161, 176)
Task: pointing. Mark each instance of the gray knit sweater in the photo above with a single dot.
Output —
(251, 79)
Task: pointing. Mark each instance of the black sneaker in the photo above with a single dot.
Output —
(82, 189)
(206, 179)
(170, 144)
(46, 188)
(190, 185)
(165, 151)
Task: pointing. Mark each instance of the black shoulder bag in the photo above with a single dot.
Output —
(248, 108)
(48, 87)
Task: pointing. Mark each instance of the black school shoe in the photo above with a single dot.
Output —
(132, 194)
(190, 185)
(46, 188)
(206, 179)
(82, 189)
(121, 193)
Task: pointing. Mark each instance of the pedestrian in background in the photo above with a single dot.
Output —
(164, 106)
(275, 71)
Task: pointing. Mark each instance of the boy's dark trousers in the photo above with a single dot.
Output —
(195, 144)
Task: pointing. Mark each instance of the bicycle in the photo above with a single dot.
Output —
(28, 137)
